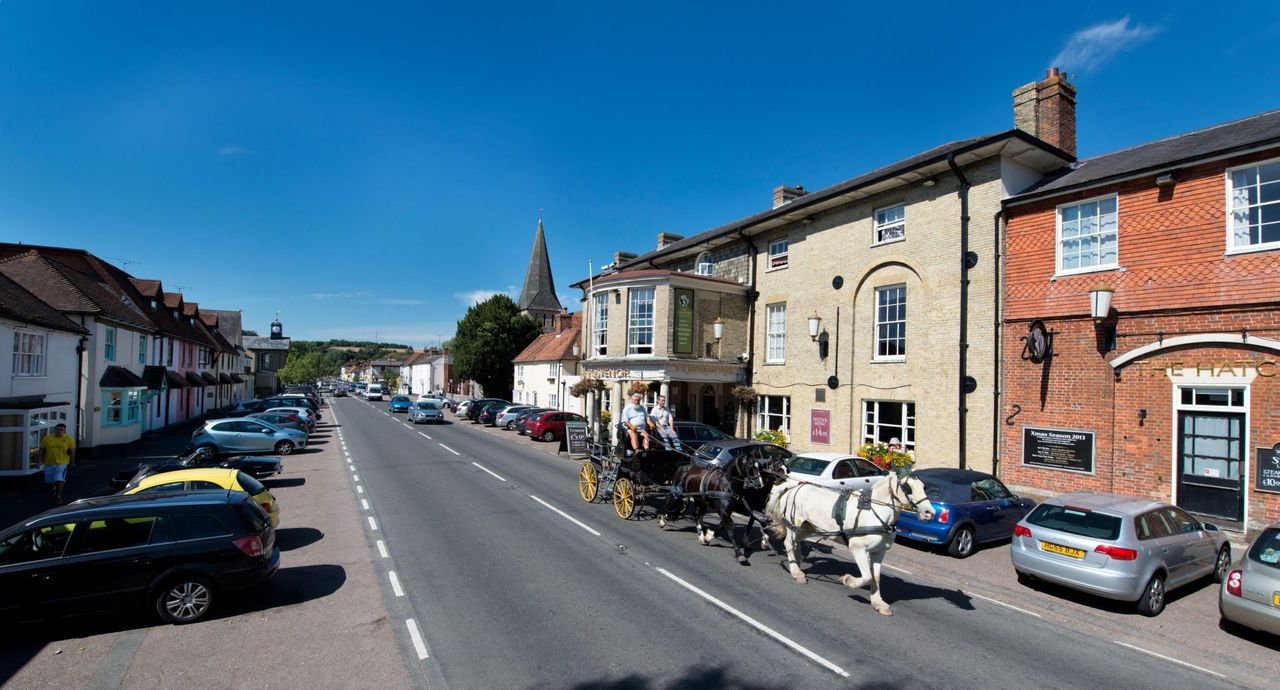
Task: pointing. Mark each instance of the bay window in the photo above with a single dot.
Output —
(640, 321)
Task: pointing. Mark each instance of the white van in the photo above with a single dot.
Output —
(374, 392)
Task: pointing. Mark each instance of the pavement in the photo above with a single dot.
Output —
(510, 579)
(321, 622)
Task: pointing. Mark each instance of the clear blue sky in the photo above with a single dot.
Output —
(368, 167)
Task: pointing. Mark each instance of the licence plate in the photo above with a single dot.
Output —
(1059, 548)
(1275, 599)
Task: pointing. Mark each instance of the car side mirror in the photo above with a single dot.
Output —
(1209, 526)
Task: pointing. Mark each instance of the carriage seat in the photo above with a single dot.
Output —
(656, 442)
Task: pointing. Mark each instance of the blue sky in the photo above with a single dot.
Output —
(368, 168)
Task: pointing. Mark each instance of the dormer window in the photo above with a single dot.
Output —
(705, 266)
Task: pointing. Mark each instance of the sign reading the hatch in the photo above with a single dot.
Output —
(684, 322)
(1058, 449)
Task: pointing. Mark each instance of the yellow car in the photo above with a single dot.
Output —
(212, 478)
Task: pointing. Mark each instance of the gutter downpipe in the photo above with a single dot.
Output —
(998, 381)
(81, 405)
(963, 193)
(751, 321)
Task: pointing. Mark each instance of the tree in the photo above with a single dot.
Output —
(487, 340)
(304, 368)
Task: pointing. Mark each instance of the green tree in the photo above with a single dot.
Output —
(304, 368)
(487, 340)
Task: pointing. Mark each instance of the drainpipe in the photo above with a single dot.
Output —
(81, 348)
(963, 193)
(998, 381)
(751, 320)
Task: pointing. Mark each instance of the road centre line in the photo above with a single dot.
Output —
(757, 624)
(486, 469)
(1168, 658)
(355, 477)
(901, 570)
(418, 645)
(359, 489)
(1001, 603)
(382, 549)
(364, 503)
(448, 449)
(395, 583)
(373, 525)
(424, 436)
(565, 515)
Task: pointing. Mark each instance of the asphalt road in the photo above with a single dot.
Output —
(513, 581)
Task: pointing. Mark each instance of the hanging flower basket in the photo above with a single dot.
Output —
(888, 457)
(641, 387)
(585, 386)
(745, 395)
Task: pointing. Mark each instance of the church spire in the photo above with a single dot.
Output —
(538, 298)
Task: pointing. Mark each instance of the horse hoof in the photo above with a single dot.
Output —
(742, 559)
(886, 612)
(800, 580)
(847, 580)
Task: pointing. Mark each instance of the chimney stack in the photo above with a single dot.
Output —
(620, 257)
(783, 194)
(1047, 110)
(665, 238)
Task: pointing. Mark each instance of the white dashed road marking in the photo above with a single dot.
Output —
(418, 645)
(1169, 658)
(373, 525)
(1001, 603)
(355, 477)
(486, 469)
(449, 449)
(359, 489)
(395, 584)
(757, 625)
(382, 549)
(564, 515)
(424, 436)
(890, 567)
(364, 503)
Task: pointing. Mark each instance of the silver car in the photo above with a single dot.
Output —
(1250, 596)
(507, 417)
(247, 436)
(425, 411)
(1118, 547)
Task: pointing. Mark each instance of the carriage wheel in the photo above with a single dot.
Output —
(588, 482)
(624, 498)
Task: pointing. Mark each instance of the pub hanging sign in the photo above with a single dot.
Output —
(1070, 450)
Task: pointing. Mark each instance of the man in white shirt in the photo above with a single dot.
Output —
(664, 422)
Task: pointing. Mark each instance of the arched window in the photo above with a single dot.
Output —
(705, 266)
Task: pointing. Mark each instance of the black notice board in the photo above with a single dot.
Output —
(1267, 474)
(1058, 449)
(575, 434)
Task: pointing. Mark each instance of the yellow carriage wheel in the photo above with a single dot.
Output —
(588, 482)
(624, 498)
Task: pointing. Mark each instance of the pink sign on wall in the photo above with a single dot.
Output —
(820, 426)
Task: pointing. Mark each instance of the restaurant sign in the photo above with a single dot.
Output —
(684, 321)
(1058, 449)
(820, 426)
(1267, 475)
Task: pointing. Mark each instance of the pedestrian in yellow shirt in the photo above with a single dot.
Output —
(57, 453)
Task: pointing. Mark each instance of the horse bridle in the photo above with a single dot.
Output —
(906, 490)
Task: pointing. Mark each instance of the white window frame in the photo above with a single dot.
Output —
(871, 424)
(553, 370)
(778, 253)
(878, 226)
(775, 333)
(876, 339)
(109, 344)
(638, 327)
(29, 361)
(704, 265)
(519, 371)
(1057, 245)
(600, 331)
(1232, 248)
(553, 401)
(763, 415)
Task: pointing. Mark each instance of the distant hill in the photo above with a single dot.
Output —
(313, 359)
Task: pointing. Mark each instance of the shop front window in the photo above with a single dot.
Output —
(773, 412)
(889, 422)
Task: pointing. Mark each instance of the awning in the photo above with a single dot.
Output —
(223, 378)
(176, 380)
(236, 378)
(154, 377)
(194, 380)
(209, 379)
(119, 377)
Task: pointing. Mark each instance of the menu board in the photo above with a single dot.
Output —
(1058, 449)
(575, 434)
(1267, 475)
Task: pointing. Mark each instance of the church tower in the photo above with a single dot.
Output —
(538, 298)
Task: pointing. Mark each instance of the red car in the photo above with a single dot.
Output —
(549, 426)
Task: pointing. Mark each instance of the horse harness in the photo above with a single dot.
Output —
(839, 511)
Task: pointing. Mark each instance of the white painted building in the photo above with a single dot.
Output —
(548, 367)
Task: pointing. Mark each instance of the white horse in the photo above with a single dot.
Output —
(801, 510)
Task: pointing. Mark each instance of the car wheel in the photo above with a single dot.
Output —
(1222, 565)
(185, 599)
(1152, 601)
(548, 436)
(208, 449)
(284, 448)
(509, 426)
(962, 542)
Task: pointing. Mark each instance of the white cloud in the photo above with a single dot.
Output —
(232, 151)
(474, 297)
(1088, 48)
(415, 335)
(400, 301)
(337, 295)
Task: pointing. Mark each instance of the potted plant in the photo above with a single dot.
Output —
(889, 457)
(778, 437)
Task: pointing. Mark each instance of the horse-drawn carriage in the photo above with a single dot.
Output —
(625, 478)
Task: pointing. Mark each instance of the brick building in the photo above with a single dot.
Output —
(1171, 391)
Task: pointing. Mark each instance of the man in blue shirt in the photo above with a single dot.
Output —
(636, 419)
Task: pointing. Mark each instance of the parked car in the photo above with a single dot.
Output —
(507, 415)
(1250, 595)
(693, 435)
(478, 406)
(443, 402)
(179, 553)
(301, 412)
(489, 413)
(399, 403)
(720, 453)
(425, 411)
(1118, 547)
(257, 466)
(970, 508)
(521, 423)
(247, 436)
(549, 426)
(246, 408)
(281, 401)
(839, 471)
(286, 420)
(211, 479)
(464, 407)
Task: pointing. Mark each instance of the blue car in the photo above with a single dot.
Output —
(971, 508)
(399, 403)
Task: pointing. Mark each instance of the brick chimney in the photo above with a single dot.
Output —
(783, 194)
(620, 257)
(665, 238)
(1046, 110)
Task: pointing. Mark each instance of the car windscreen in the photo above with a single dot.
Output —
(1266, 548)
(251, 486)
(805, 465)
(423, 405)
(1077, 521)
(400, 398)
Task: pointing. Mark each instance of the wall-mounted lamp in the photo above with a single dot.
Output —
(815, 322)
(1100, 309)
(1165, 180)
(577, 349)
(717, 328)
(1142, 415)
(929, 182)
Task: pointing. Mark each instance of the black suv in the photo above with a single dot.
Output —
(177, 552)
(473, 412)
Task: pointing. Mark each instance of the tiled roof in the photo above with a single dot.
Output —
(70, 281)
(20, 305)
(554, 347)
(1237, 135)
(150, 288)
(119, 377)
(262, 342)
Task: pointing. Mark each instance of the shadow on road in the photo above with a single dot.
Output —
(713, 678)
(284, 483)
(290, 538)
(1123, 608)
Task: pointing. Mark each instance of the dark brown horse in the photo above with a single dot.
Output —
(743, 484)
